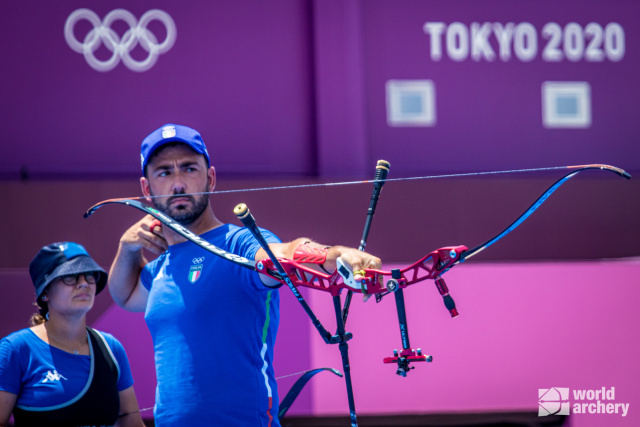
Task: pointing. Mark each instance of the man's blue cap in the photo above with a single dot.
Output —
(172, 133)
(60, 259)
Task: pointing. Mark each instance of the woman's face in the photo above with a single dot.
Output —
(72, 294)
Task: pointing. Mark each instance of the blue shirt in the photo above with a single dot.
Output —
(213, 325)
(44, 376)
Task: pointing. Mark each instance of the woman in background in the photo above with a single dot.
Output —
(59, 372)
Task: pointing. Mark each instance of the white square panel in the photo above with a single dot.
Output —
(566, 104)
(411, 103)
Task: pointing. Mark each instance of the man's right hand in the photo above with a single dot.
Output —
(124, 276)
(146, 233)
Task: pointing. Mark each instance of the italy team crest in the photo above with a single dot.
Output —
(195, 272)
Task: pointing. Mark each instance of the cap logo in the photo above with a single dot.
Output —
(168, 132)
(71, 250)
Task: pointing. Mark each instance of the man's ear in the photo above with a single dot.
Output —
(211, 173)
(144, 186)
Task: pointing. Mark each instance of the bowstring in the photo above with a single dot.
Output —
(151, 408)
(333, 184)
(291, 375)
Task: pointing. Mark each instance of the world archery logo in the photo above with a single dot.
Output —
(553, 401)
(196, 269)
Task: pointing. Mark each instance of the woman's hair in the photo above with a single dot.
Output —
(40, 316)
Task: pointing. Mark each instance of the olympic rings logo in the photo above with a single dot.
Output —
(198, 260)
(120, 47)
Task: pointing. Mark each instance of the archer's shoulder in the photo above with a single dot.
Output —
(226, 232)
(19, 336)
(23, 338)
(244, 234)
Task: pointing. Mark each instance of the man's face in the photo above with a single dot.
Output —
(176, 171)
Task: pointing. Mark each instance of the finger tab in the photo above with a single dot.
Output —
(155, 224)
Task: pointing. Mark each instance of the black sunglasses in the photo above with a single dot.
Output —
(91, 278)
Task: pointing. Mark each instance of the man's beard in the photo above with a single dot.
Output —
(181, 213)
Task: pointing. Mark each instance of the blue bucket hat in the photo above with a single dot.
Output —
(59, 259)
(172, 133)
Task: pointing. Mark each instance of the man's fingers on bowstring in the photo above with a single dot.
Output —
(152, 232)
(146, 234)
(156, 228)
(157, 237)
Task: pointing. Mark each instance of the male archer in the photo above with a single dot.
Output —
(213, 323)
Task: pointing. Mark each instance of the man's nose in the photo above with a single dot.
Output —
(178, 186)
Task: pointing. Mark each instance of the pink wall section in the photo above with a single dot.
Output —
(522, 326)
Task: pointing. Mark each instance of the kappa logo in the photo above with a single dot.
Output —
(52, 376)
(196, 269)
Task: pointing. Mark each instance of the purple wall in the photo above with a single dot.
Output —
(300, 86)
(489, 112)
(239, 72)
